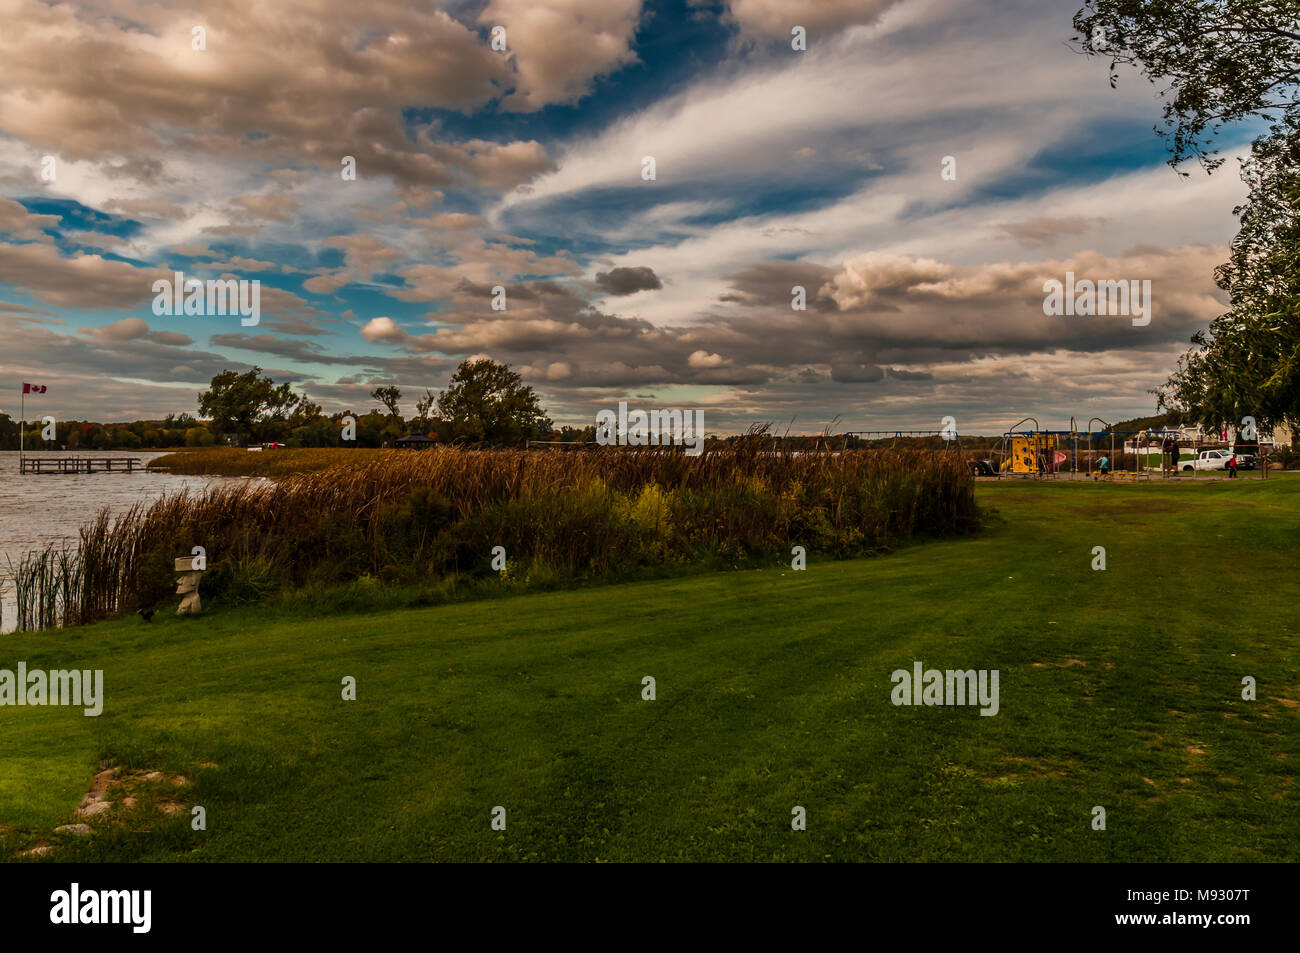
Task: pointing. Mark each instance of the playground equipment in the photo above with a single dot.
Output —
(1027, 450)
(952, 440)
(1030, 451)
(1075, 453)
(1043, 453)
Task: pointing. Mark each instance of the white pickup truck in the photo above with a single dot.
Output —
(1217, 460)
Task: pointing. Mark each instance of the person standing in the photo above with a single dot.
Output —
(1232, 465)
(1171, 451)
(1104, 466)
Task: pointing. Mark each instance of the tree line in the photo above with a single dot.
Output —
(484, 404)
(172, 431)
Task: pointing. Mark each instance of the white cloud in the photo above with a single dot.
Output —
(383, 329)
(702, 359)
(775, 18)
(560, 46)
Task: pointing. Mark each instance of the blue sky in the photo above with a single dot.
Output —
(522, 168)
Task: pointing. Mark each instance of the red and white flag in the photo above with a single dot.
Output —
(33, 388)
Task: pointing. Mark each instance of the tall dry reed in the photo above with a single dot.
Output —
(412, 516)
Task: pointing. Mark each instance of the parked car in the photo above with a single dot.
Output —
(1218, 460)
(981, 467)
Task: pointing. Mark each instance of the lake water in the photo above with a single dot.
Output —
(39, 509)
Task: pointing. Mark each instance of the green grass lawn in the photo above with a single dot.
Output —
(1119, 688)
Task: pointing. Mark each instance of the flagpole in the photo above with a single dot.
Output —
(22, 427)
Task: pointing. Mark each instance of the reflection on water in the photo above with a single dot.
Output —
(39, 509)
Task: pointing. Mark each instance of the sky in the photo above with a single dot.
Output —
(920, 169)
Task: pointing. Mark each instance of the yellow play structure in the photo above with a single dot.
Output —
(1032, 453)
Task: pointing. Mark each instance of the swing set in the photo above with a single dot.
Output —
(951, 438)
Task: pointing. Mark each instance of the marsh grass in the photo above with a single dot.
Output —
(275, 464)
(403, 518)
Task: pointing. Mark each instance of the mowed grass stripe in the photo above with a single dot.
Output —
(1118, 688)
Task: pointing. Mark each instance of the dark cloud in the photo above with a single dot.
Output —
(308, 352)
(88, 373)
(903, 375)
(84, 281)
(856, 373)
(1040, 232)
(626, 281)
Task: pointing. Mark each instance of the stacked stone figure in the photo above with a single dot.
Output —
(187, 586)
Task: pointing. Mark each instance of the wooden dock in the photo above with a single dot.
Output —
(44, 464)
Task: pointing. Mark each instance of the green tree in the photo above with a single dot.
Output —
(390, 397)
(394, 428)
(370, 429)
(125, 439)
(246, 406)
(317, 432)
(1248, 362)
(577, 434)
(8, 432)
(1220, 62)
(304, 412)
(487, 402)
(423, 406)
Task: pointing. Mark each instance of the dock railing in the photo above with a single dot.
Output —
(44, 464)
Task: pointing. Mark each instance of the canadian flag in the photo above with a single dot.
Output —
(33, 388)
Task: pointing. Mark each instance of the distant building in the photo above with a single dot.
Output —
(414, 441)
(1282, 435)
